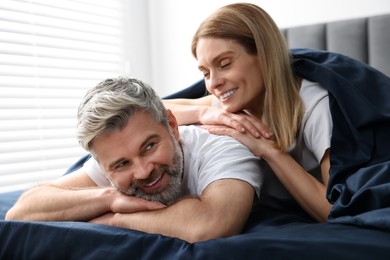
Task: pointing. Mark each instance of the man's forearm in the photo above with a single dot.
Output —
(52, 203)
(187, 219)
(175, 221)
(214, 215)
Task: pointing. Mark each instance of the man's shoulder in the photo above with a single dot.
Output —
(210, 157)
(196, 133)
(196, 139)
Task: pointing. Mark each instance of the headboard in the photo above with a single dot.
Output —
(365, 39)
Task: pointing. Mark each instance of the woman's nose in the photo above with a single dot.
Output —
(215, 80)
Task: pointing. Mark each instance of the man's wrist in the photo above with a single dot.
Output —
(108, 195)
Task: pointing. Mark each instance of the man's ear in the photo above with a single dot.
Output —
(173, 124)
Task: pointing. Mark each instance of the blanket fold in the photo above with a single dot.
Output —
(359, 99)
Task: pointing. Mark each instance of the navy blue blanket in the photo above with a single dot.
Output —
(359, 188)
(359, 184)
(268, 234)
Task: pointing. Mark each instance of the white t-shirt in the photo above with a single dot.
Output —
(207, 158)
(313, 139)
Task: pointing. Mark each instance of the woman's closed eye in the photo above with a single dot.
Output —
(205, 73)
(224, 65)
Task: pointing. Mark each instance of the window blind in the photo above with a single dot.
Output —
(51, 52)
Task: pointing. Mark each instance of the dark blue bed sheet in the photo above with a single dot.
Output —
(359, 101)
(361, 197)
(268, 235)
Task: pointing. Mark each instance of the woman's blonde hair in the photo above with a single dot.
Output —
(255, 30)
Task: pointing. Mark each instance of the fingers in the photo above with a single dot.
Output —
(258, 146)
(243, 122)
(104, 219)
(130, 204)
(245, 138)
(240, 123)
(259, 126)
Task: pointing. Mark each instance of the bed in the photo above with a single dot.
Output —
(268, 234)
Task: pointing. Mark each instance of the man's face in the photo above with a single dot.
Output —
(144, 159)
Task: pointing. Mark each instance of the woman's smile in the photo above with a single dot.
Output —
(227, 94)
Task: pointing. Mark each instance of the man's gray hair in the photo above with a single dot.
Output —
(108, 107)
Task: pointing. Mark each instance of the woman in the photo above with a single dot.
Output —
(257, 99)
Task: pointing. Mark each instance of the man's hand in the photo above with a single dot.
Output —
(220, 211)
(121, 203)
(124, 204)
(105, 219)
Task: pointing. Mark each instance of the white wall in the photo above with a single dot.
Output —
(137, 40)
(173, 22)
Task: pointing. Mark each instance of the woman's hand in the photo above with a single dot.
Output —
(241, 122)
(257, 145)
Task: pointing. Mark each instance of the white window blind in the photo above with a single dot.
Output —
(51, 52)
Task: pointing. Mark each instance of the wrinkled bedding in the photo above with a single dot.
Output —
(268, 234)
(359, 188)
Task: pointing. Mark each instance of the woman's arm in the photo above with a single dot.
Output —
(305, 189)
(188, 111)
(201, 111)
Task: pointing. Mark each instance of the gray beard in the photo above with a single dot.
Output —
(170, 192)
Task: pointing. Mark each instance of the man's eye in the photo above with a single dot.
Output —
(150, 146)
(121, 165)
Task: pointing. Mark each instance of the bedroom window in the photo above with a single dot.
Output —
(50, 53)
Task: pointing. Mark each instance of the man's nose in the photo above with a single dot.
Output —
(142, 168)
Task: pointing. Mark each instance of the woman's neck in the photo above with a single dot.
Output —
(256, 108)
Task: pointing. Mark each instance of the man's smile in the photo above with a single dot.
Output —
(156, 183)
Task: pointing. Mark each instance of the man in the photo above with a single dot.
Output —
(146, 173)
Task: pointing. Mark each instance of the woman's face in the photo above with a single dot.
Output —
(231, 74)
